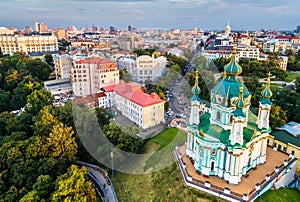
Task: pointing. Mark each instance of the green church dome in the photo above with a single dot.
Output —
(227, 91)
(233, 68)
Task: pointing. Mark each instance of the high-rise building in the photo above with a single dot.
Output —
(36, 26)
(28, 30)
(298, 29)
(90, 74)
(61, 33)
(130, 28)
(43, 28)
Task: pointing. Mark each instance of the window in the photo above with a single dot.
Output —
(293, 152)
(212, 167)
(218, 115)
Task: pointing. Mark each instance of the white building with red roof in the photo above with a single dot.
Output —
(90, 74)
(141, 108)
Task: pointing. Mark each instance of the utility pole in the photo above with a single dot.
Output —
(112, 163)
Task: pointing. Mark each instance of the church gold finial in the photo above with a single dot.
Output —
(196, 79)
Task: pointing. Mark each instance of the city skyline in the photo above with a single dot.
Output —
(166, 14)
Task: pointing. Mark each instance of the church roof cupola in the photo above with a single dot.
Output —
(196, 90)
(233, 68)
(267, 93)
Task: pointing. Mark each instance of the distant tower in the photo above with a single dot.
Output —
(227, 30)
(130, 28)
(36, 26)
(195, 102)
(298, 29)
(265, 106)
(239, 119)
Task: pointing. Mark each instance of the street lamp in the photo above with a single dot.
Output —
(112, 163)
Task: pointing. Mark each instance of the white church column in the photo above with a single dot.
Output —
(221, 156)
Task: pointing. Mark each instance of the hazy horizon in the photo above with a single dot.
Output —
(165, 14)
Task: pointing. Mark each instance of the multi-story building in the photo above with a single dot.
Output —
(90, 74)
(144, 67)
(61, 33)
(251, 52)
(130, 42)
(6, 31)
(63, 66)
(43, 28)
(28, 30)
(243, 51)
(26, 44)
(286, 139)
(283, 62)
(143, 109)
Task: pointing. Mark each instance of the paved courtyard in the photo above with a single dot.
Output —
(274, 158)
(143, 133)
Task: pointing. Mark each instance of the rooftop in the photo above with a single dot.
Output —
(292, 128)
(257, 175)
(94, 60)
(133, 92)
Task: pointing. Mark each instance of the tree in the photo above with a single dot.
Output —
(277, 117)
(73, 186)
(43, 186)
(37, 100)
(103, 116)
(125, 75)
(297, 84)
(31, 196)
(49, 59)
(39, 69)
(61, 142)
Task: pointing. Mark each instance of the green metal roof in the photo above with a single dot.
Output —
(285, 137)
(233, 68)
(228, 88)
(218, 132)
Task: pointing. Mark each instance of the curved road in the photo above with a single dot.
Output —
(102, 181)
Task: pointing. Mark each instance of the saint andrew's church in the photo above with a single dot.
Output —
(228, 140)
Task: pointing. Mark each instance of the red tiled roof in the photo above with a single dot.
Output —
(283, 37)
(98, 95)
(133, 92)
(94, 60)
(109, 89)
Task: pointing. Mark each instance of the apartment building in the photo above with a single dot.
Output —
(11, 44)
(144, 67)
(129, 42)
(63, 66)
(90, 74)
(143, 109)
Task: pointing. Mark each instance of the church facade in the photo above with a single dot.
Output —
(229, 140)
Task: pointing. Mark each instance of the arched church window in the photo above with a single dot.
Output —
(212, 167)
(218, 116)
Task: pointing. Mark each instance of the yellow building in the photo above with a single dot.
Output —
(287, 140)
(143, 109)
(11, 44)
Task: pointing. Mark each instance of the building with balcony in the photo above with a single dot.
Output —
(144, 67)
(26, 44)
(90, 74)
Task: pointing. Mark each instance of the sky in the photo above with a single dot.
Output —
(166, 14)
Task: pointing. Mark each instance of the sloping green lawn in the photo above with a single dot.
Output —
(164, 185)
(282, 195)
(291, 76)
